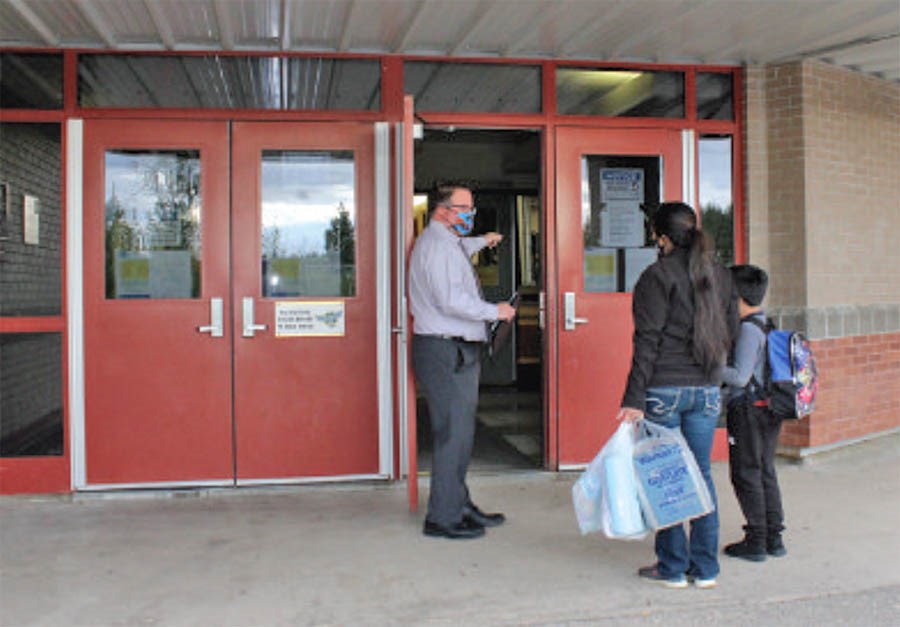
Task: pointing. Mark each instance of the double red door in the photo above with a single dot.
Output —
(229, 302)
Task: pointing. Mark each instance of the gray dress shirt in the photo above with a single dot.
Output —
(444, 294)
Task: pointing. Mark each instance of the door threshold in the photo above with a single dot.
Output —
(150, 489)
(180, 488)
(311, 480)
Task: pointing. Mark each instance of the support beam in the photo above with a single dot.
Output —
(659, 26)
(471, 29)
(286, 24)
(98, 22)
(161, 23)
(27, 14)
(349, 26)
(591, 28)
(517, 39)
(223, 22)
(400, 44)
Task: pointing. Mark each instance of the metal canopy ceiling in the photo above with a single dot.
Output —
(863, 35)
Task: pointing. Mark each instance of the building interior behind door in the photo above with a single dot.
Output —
(503, 167)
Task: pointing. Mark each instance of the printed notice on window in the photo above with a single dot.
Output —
(621, 220)
(309, 319)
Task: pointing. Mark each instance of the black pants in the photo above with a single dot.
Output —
(447, 371)
(752, 440)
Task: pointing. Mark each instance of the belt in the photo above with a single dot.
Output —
(452, 338)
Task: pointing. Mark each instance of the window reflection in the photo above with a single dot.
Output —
(619, 194)
(716, 201)
(31, 81)
(31, 394)
(228, 82)
(308, 223)
(715, 96)
(473, 87)
(620, 93)
(153, 212)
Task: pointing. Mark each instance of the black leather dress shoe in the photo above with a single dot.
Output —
(462, 530)
(486, 520)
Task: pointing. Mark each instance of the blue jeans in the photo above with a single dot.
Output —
(695, 410)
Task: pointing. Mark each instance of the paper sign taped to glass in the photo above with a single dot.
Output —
(670, 486)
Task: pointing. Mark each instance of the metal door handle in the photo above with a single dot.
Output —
(542, 305)
(249, 326)
(569, 306)
(214, 328)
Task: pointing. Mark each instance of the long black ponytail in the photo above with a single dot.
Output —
(711, 334)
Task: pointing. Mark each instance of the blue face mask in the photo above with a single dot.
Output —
(466, 222)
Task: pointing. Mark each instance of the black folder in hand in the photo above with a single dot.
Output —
(500, 330)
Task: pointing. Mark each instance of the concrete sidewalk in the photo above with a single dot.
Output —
(353, 555)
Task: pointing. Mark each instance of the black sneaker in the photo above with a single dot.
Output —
(651, 573)
(775, 547)
(746, 550)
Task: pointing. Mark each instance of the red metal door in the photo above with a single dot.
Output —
(603, 176)
(157, 390)
(305, 379)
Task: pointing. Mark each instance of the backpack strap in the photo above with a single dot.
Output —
(755, 387)
(765, 327)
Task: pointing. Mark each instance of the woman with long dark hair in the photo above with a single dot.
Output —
(685, 317)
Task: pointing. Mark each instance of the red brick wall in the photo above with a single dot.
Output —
(859, 391)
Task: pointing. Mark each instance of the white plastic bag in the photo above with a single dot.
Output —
(670, 485)
(605, 496)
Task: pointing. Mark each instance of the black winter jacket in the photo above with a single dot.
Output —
(663, 309)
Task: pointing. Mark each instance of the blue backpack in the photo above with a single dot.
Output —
(790, 379)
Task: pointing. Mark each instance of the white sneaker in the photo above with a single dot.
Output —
(651, 573)
(705, 583)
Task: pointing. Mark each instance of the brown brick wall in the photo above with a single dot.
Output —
(822, 159)
(756, 187)
(851, 130)
(822, 215)
(786, 189)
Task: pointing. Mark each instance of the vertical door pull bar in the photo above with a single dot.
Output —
(542, 306)
(214, 328)
(249, 325)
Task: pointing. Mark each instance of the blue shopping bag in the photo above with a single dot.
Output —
(670, 486)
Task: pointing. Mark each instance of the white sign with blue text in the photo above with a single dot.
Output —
(622, 222)
(309, 318)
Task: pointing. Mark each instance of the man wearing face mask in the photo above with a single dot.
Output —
(450, 327)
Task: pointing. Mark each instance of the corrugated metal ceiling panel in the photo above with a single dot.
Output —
(860, 34)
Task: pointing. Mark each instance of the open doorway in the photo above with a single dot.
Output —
(504, 169)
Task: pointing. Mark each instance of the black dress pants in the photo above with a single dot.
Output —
(752, 439)
(447, 371)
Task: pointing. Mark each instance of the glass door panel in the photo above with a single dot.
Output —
(153, 211)
(308, 223)
(615, 216)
